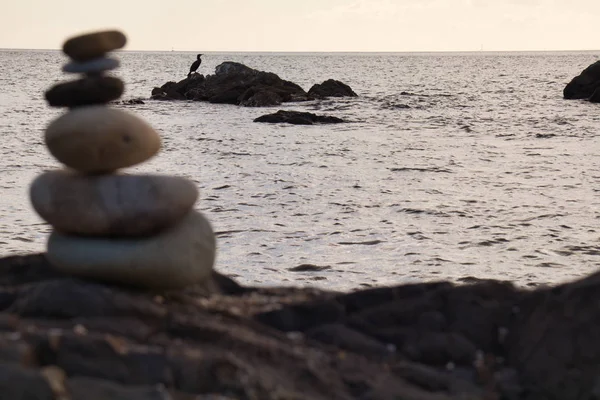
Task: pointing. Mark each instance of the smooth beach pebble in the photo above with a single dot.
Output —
(95, 66)
(111, 205)
(96, 139)
(87, 91)
(93, 45)
(181, 256)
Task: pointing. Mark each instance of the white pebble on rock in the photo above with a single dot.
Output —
(181, 256)
(111, 205)
(95, 66)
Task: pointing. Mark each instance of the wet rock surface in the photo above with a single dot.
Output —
(61, 336)
(235, 83)
(298, 118)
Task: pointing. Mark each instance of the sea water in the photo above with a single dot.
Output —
(451, 165)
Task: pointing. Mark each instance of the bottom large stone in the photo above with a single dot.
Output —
(182, 255)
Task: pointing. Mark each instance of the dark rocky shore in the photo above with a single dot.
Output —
(235, 83)
(64, 338)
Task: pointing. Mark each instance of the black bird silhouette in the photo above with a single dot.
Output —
(195, 65)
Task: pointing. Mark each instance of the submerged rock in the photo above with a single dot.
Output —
(585, 84)
(129, 102)
(298, 118)
(238, 84)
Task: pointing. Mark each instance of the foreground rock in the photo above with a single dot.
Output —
(87, 91)
(431, 341)
(97, 139)
(298, 118)
(585, 84)
(235, 83)
(93, 45)
(111, 205)
(180, 256)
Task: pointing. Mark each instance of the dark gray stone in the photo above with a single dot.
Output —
(87, 91)
(18, 383)
(298, 118)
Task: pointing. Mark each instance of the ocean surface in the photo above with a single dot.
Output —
(452, 165)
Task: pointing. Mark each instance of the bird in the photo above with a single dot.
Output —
(195, 65)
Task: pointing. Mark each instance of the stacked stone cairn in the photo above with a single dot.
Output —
(136, 230)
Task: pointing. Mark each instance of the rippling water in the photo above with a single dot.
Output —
(453, 165)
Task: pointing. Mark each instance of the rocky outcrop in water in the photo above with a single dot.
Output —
(331, 88)
(234, 83)
(63, 337)
(585, 84)
(298, 118)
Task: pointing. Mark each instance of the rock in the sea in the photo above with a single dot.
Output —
(111, 205)
(595, 97)
(87, 91)
(260, 98)
(331, 88)
(181, 256)
(130, 102)
(234, 68)
(96, 139)
(93, 45)
(298, 118)
(584, 85)
(233, 83)
(95, 66)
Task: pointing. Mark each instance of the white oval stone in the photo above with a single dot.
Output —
(95, 139)
(95, 66)
(180, 256)
(111, 205)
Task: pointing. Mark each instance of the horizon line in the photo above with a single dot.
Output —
(325, 51)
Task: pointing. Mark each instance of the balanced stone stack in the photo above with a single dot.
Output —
(138, 230)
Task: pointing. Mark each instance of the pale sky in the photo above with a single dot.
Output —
(309, 25)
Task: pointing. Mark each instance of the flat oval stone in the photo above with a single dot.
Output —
(95, 66)
(111, 205)
(180, 256)
(97, 139)
(84, 92)
(93, 45)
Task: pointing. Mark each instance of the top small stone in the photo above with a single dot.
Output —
(93, 45)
